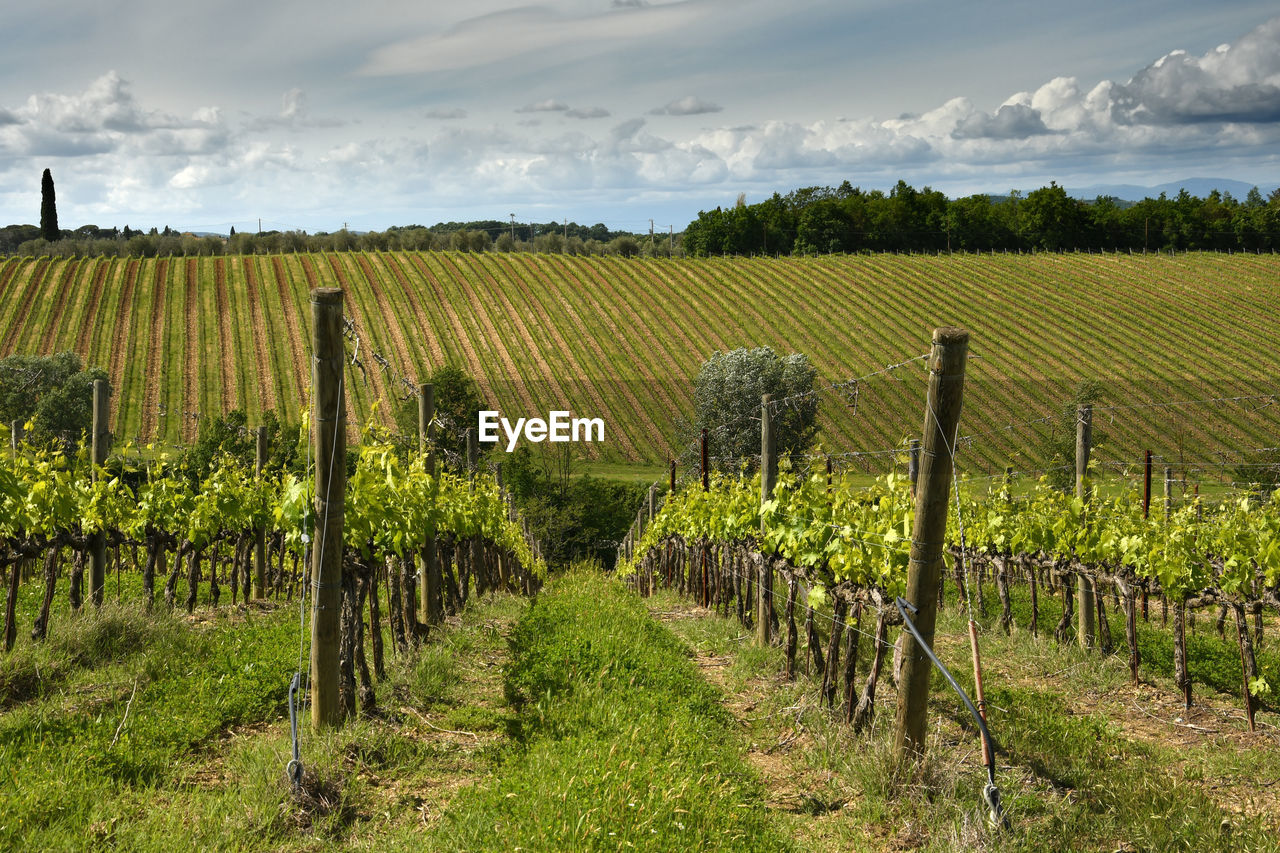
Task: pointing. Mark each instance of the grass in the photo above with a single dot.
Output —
(1083, 764)
(573, 723)
(619, 742)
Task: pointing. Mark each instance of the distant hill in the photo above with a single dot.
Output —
(1199, 187)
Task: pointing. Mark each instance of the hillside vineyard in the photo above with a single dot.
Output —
(622, 339)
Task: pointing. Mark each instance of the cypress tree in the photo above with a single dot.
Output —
(48, 209)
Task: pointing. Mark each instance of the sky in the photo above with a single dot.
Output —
(212, 115)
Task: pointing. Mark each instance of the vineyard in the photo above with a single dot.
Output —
(622, 339)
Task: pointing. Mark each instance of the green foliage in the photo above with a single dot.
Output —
(48, 209)
(458, 405)
(1058, 442)
(575, 517)
(821, 220)
(230, 436)
(726, 400)
(54, 393)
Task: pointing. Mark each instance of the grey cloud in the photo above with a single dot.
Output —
(1011, 121)
(686, 106)
(447, 113)
(294, 115)
(550, 105)
(105, 117)
(1233, 83)
(588, 112)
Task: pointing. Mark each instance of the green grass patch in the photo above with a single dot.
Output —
(620, 741)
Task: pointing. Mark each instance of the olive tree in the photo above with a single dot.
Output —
(727, 396)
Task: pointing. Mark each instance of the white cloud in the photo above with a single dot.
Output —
(1235, 83)
(294, 115)
(588, 112)
(538, 33)
(104, 117)
(686, 106)
(550, 105)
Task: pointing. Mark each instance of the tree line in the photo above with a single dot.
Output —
(822, 220)
(558, 238)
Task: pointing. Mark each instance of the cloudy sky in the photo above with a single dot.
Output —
(204, 116)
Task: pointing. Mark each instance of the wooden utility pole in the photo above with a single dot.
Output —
(101, 444)
(329, 435)
(768, 478)
(941, 418)
(260, 535)
(430, 596)
(1084, 586)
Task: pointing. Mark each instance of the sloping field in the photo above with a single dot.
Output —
(622, 339)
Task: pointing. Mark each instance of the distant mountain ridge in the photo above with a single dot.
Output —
(1199, 187)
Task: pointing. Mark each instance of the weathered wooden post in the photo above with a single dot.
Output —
(477, 549)
(15, 434)
(430, 582)
(101, 444)
(768, 478)
(1084, 585)
(913, 464)
(329, 437)
(1168, 492)
(260, 535)
(941, 418)
(1146, 487)
(705, 599)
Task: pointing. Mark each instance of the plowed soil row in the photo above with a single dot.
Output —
(266, 388)
(227, 355)
(373, 385)
(91, 320)
(390, 322)
(296, 354)
(155, 352)
(515, 380)
(191, 355)
(313, 281)
(473, 365)
(55, 319)
(120, 329)
(435, 351)
(23, 309)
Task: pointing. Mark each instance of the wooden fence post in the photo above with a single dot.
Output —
(1084, 585)
(260, 535)
(941, 418)
(329, 434)
(913, 464)
(101, 444)
(15, 434)
(477, 547)
(430, 595)
(705, 598)
(768, 477)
